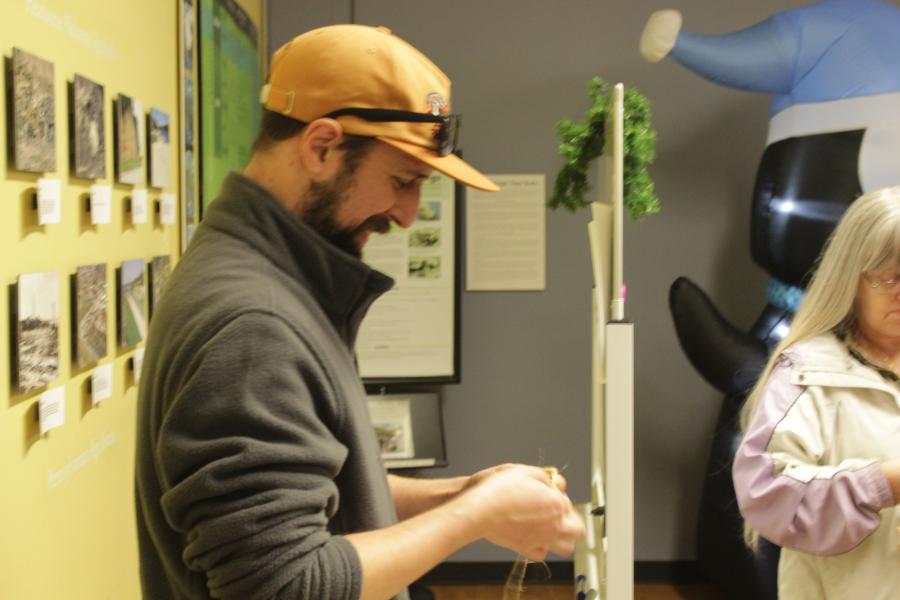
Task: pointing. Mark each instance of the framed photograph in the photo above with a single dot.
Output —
(229, 76)
(409, 430)
(37, 330)
(160, 269)
(392, 421)
(88, 145)
(129, 132)
(132, 294)
(425, 237)
(159, 155)
(411, 333)
(90, 311)
(33, 131)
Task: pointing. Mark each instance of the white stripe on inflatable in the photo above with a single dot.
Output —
(879, 115)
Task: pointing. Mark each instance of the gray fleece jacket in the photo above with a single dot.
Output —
(255, 452)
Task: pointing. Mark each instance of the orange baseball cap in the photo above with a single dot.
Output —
(374, 84)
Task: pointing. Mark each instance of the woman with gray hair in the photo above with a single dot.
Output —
(818, 470)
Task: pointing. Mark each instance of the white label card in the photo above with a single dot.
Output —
(49, 192)
(52, 408)
(139, 206)
(167, 209)
(138, 364)
(101, 383)
(101, 203)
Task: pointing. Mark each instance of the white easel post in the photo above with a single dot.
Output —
(604, 559)
(620, 462)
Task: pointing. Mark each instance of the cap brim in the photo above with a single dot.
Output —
(450, 165)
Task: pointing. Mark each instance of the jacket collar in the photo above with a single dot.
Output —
(826, 361)
(343, 285)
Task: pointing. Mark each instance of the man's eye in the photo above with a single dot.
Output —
(403, 183)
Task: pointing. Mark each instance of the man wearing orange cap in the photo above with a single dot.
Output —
(258, 474)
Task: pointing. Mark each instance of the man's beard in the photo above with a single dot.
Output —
(323, 201)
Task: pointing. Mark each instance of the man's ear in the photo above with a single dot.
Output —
(319, 144)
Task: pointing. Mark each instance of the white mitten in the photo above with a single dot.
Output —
(660, 34)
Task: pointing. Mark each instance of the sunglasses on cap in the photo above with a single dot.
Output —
(446, 135)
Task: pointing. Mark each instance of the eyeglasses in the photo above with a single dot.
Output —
(447, 135)
(883, 286)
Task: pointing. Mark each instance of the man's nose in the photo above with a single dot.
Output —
(406, 210)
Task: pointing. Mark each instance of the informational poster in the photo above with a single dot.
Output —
(230, 80)
(410, 332)
(506, 239)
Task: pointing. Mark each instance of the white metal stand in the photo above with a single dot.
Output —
(604, 559)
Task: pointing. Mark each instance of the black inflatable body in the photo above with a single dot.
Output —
(803, 187)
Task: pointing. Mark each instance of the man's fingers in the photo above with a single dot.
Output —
(537, 554)
(563, 547)
(574, 524)
(560, 482)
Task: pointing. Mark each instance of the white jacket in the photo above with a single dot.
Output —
(808, 475)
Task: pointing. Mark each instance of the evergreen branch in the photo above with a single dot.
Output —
(581, 143)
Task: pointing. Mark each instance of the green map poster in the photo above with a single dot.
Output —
(229, 92)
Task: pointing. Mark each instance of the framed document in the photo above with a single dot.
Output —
(411, 333)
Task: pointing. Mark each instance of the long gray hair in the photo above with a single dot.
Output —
(866, 240)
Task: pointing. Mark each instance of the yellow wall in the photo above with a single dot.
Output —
(67, 503)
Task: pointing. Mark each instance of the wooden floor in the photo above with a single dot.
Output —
(565, 592)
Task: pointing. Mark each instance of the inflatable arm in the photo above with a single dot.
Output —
(757, 59)
(760, 58)
(727, 358)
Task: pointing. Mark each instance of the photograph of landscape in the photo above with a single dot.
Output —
(34, 117)
(37, 330)
(88, 142)
(132, 293)
(90, 312)
(129, 133)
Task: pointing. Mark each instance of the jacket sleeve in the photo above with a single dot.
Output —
(783, 488)
(249, 468)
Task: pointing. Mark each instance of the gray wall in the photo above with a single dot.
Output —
(517, 67)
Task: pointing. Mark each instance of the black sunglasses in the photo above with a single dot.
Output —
(446, 135)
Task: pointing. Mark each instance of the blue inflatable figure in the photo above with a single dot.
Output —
(833, 71)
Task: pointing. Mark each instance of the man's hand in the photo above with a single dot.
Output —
(520, 508)
(514, 506)
(558, 480)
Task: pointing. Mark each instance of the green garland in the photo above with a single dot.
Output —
(580, 143)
